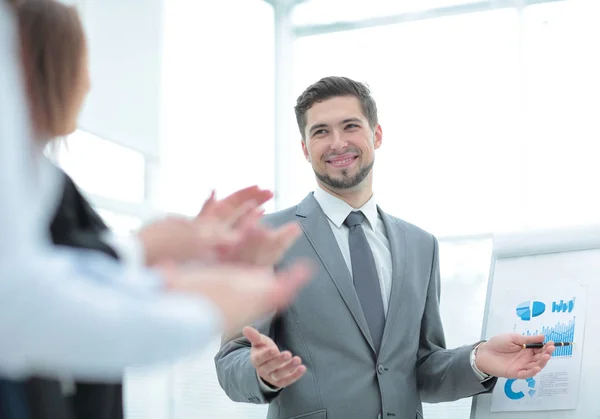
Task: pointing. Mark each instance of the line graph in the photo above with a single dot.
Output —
(560, 332)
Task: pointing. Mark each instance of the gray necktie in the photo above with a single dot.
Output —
(366, 280)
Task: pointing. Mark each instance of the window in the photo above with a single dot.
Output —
(217, 100)
(111, 176)
(562, 111)
(103, 168)
(217, 130)
(447, 93)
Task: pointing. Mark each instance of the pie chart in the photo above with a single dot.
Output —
(517, 395)
(529, 309)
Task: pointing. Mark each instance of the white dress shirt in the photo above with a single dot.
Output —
(66, 311)
(336, 211)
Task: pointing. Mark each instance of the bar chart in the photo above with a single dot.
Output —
(560, 332)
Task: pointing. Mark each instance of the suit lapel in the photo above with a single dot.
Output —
(318, 232)
(397, 239)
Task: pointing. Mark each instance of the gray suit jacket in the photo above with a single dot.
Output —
(325, 326)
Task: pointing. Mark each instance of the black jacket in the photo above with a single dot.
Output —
(75, 224)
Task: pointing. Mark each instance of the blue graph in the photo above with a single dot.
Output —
(563, 306)
(561, 332)
(517, 395)
(528, 309)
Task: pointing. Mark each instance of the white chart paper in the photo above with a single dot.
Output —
(559, 314)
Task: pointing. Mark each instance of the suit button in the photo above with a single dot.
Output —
(380, 369)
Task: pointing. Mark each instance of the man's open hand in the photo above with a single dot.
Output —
(276, 368)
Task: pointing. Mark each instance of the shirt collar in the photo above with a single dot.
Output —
(337, 210)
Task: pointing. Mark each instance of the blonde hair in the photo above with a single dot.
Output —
(52, 50)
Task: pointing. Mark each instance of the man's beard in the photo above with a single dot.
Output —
(345, 182)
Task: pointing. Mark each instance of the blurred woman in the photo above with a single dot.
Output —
(54, 53)
(64, 323)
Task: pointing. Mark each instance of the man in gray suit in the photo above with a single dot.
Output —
(366, 333)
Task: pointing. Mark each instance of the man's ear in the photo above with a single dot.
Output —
(377, 137)
(305, 150)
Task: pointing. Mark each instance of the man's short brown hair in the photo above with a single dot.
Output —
(330, 87)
